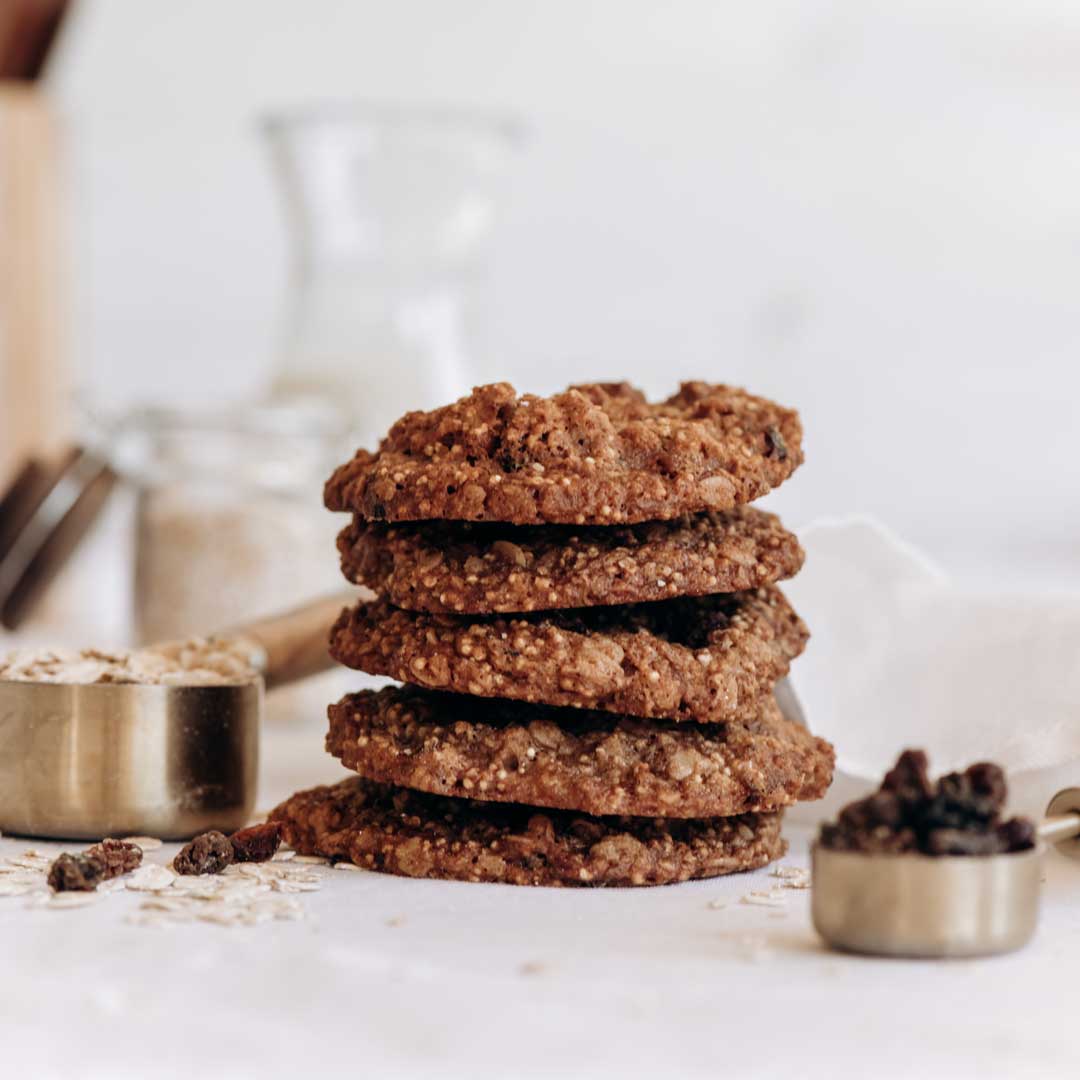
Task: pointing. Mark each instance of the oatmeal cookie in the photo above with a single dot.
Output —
(598, 454)
(492, 567)
(573, 759)
(414, 834)
(708, 658)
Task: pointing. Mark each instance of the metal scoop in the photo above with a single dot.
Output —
(935, 906)
(116, 759)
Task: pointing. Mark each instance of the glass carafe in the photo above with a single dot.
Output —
(390, 213)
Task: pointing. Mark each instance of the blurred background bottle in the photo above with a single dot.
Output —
(390, 211)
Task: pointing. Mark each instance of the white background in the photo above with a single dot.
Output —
(871, 211)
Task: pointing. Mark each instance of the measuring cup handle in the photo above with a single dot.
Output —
(293, 645)
(1062, 825)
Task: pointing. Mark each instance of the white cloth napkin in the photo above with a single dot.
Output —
(901, 658)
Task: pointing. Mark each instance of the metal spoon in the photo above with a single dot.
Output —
(111, 759)
(935, 906)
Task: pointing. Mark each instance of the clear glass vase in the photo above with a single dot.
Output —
(390, 212)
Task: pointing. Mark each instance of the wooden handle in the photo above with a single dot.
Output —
(34, 387)
(293, 645)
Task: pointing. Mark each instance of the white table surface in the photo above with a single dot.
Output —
(393, 977)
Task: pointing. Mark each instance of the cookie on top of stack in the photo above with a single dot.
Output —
(583, 610)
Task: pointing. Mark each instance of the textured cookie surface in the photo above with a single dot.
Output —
(597, 454)
(573, 759)
(485, 568)
(426, 836)
(705, 658)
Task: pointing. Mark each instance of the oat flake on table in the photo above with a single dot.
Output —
(245, 894)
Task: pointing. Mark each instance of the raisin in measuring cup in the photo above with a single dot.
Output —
(86, 760)
(932, 869)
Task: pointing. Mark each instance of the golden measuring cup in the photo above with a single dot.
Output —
(87, 761)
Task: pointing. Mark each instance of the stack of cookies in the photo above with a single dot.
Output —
(583, 610)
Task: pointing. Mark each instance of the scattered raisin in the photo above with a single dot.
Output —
(1017, 834)
(75, 873)
(880, 840)
(209, 853)
(988, 788)
(967, 800)
(85, 871)
(963, 842)
(959, 815)
(909, 778)
(881, 808)
(119, 856)
(256, 844)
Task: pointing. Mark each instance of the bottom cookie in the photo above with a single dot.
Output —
(398, 831)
